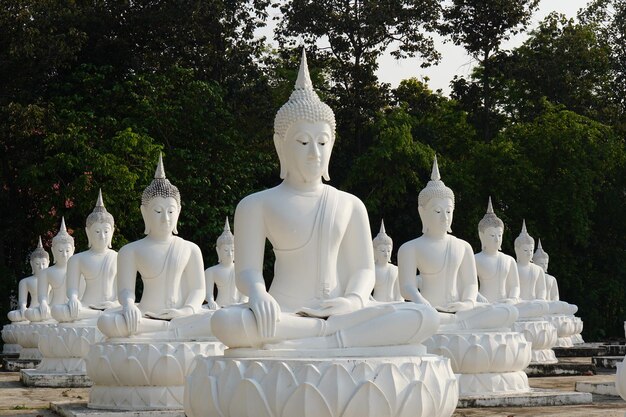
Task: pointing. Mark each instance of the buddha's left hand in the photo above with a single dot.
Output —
(338, 305)
(169, 314)
(459, 306)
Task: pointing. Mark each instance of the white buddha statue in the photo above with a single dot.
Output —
(171, 269)
(497, 272)
(39, 260)
(386, 287)
(222, 275)
(541, 258)
(51, 282)
(324, 270)
(447, 269)
(97, 266)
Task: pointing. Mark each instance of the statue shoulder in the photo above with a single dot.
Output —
(410, 247)
(255, 201)
(346, 198)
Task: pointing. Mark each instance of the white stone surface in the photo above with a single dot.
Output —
(602, 388)
(28, 337)
(620, 379)
(387, 286)
(9, 337)
(533, 398)
(485, 362)
(80, 410)
(64, 348)
(565, 327)
(322, 387)
(142, 375)
(542, 335)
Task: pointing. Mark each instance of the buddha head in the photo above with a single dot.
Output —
(160, 204)
(490, 230)
(62, 245)
(382, 246)
(304, 131)
(39, 258)
(524, 245)
(540, 257)
(436, 205)
(225, 245)
(99, 226)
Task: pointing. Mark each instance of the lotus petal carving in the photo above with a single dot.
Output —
(541, 333)
(335, 387)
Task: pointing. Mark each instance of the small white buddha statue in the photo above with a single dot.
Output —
(39, 260)
(97, 266)
(541, 258)
(222, 275)
(171, 269)
(51, 282)
(446, 265)
(324, 270)
(497, 272)
(386, 287)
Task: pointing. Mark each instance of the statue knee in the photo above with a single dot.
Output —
(424, 322)
(16, 315)
(33, 314)
(61, 313)
(113, 325)
(510, 312)
(235, 327)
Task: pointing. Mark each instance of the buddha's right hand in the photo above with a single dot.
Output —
(74, 306)
(266, 312)
(132, 315)
(44, 309)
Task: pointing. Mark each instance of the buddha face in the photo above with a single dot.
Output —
(226, 254)
(99, 236)
(436, 216)
(524, 252)
(62, 252)
(543, 263)
(306, 150)
(38, 264)
(382, 254)
(160, 216)
(491, 239)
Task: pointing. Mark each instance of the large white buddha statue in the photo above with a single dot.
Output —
(222, 275)
(97, 266)
(324, 270)
(447, 269)
(51, 282)
(497, 272)
(386, 287)
(171, 269)
(542, 259)
(39, 260)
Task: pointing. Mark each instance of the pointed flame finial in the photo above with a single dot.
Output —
(382, 238)
(435, 176)
(39, 245)
(382, 227)
(490, 207)
(304, 78)
(227, 225)
(539, 244)
(63, 229)
(99, 202)
(524, 227)
(160, 170)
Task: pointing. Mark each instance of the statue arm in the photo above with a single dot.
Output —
(407, 267)
(396, 284)
(468, 276)
(210, 287)
(194, 274)
(512, 281)
(72, 280)
(359, 256)
(555, 290)
(540, 287)
(126, 277)
(22, 293)
(42, 287)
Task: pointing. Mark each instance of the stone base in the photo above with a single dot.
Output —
(81, 410)
(16, 365)
(9, 356)
(142, 375)
(11, 349)
(577, 339)
(37, 378)
(9, 337)
(534, 398)
(607, 362)
(543, 357)
(65, 346)
(564, 342)
(351, 385)
(586, 350)
(542, 335)
(28, 337)
(602, 388)
(560, 369)
(615, 349)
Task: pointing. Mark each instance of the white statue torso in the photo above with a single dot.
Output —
(31, 288)
(552, 288)
(386, 287)
(98, 271)
(528, 277)
(56, 280)
(224, 279)
(493, 272)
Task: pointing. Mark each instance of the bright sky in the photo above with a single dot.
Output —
(454, 59)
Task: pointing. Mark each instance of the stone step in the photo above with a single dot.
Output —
(36, 378)
(608, 362)
(16, 365)
(562, 368)
(81, 410)
(534, 398)
(602, 388)
(615, 349)
(579, 351)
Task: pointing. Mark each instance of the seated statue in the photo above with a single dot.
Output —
(97, 266)
(324, 267)
(222, 275)
(51, 282)
(541, 258)
(386, 287)
(171, 269)
(39, 260)
(497, 272)
(447, 270)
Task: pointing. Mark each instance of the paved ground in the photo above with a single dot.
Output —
(16, 400)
